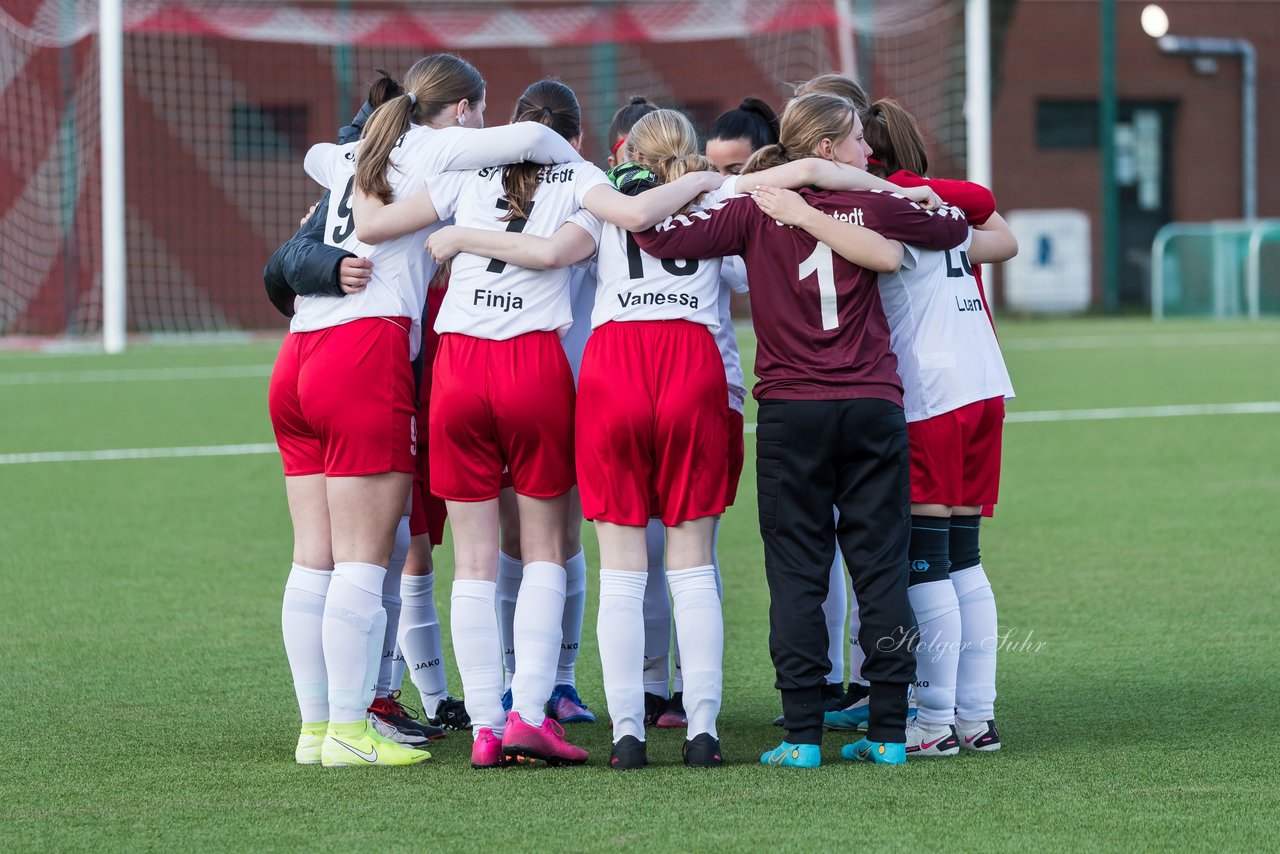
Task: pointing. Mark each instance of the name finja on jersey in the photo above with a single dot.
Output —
(492, 299)
(556, 173)
(631, 299)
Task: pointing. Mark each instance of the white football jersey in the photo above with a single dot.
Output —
(633, 285)
(582, 299)
(947, 351)
(493, 299)
(401, 267)
(727, 341)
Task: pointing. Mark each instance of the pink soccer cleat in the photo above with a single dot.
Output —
(486, 750)
(524, 744)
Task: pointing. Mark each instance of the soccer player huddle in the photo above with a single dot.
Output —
(489, 328)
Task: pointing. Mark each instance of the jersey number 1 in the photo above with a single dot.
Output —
(821, 262)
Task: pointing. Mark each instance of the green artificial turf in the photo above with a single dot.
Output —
(145, 700)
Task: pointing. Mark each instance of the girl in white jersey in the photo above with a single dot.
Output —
(955, 385)
(341, 402)
(503, 397)
(652, 433)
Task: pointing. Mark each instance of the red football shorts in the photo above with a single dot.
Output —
(652, 431)
(955, 456)
(341, 399)
(737, 452)
(501, 403)
(427, 514)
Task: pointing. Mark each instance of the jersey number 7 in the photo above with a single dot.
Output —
(514, 226)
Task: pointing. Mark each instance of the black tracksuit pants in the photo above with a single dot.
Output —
(811, 455)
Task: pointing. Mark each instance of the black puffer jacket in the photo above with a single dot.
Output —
(305, 265)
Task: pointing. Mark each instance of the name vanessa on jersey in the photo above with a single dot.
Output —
(492, 299)
(630, 299)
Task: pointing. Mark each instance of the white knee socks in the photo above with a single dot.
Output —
(700, 631)
(420, 639)
(302, 620)
(474, 626)
(510, 573)
(938, 615)
(657, 615)
(834, 610)
(575, 601)
(391, 604)
(354, 627)
(620, 636)
(539, 610)
(976, 676)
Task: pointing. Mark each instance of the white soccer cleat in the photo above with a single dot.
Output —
(929, 740)
(978, 735)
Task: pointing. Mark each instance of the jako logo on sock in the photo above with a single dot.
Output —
(919, 566)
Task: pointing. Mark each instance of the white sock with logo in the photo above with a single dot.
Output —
(398, 666)
(354, 626)
(834, 610)
(938, 615)
(391, 604)
(474, 626)
(976, 676)
(510, 574)
(700, 630)
(657, 615)
(420, 639)
(302, 621)
(856, 656)
(620, 636)
(575, 602)
(539, 611)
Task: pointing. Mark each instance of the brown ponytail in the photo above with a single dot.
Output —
(806, 121)
(553, 104)
(895, 139)
(836, 84)
(432, 84)
(383, 89)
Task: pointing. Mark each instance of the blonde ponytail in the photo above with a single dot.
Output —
(433, 83)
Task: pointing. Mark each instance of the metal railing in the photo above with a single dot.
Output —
(1231, 276)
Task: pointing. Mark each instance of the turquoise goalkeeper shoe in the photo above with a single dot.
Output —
(878, 752)
(788, 755)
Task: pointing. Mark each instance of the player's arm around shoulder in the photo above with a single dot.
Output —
(897, 218)
(993, 241)
(853, 242)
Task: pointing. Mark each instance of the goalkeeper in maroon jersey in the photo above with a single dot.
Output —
(831, 425)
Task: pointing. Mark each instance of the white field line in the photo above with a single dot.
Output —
(1264, 407)
(137, 454)
(124, 375)
(1140, 341)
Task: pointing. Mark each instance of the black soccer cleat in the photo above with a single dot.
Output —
(654, 706)
(451, 714)
(703, 751)
(628, 754)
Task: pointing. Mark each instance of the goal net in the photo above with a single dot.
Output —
(222, 99)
